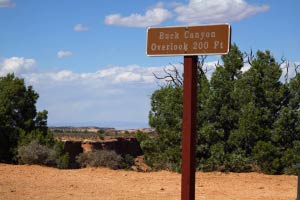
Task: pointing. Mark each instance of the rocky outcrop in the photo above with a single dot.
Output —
(73, 148)
(121, 146)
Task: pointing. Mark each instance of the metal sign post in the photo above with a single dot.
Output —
(189, 41)
(189, 128)
(298, 188)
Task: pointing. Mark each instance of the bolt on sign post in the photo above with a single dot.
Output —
(189, 41)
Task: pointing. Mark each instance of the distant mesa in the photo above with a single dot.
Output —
(72, 129)
(95, 129)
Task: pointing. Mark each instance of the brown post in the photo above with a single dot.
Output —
(189, 128)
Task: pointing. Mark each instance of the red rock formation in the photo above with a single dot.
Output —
(121, 146)
(86, 146)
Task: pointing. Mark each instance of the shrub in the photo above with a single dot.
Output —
(35, 153)
(267, 157)
(128, 161)
(62, 158)
(216, 159)
(290, 157)
(237, 162)
(161, 152)
(62, 162)
(102, 158)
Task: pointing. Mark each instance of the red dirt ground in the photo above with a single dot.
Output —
(35, 182)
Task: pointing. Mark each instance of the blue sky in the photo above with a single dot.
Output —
(87, 59)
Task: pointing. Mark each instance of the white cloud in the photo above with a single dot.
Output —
(62, 54)
(80, 28)
(7, 4)
(209, 68)
(289, 70)
(108, 76)
(17, 65)
(128, 76)
(195, 12)
(246, 67)
(117, 93)
(217, 11)
(153, 16)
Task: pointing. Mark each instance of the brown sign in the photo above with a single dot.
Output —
(188, 40)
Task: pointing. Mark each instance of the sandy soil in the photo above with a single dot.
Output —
(43, 183)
